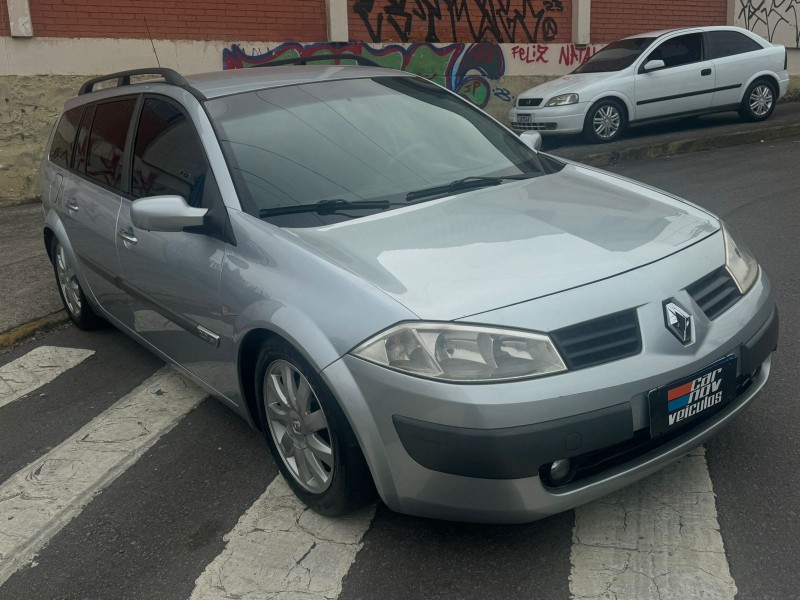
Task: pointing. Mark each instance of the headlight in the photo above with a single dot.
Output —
(739, 262)
(462, 353)
(563, 100)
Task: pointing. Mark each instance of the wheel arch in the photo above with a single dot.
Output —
(302, 336)
(762, 75)
(621, 98)
(246, 367)
(48, 241)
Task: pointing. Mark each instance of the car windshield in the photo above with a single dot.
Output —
(616, 56)
(357, 140)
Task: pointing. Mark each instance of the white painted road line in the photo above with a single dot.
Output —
(658, 539)
(281, 549)
(38, 367)
(39, 500)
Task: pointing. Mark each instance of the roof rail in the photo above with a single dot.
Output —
(124, 78)
(301, 60)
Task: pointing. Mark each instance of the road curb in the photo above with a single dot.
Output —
(660, 150)
(17, 334)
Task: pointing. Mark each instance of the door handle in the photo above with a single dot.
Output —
(705, 72)
(127, 235)
(72, 205)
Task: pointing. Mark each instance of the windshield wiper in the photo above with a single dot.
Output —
(466, 183)
(324, 207)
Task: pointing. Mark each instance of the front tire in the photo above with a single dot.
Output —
(759, 101)
(308, 434)
(78, 308)
(605, 121)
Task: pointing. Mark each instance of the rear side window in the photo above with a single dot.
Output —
(728, 43)
(82, 144)
(64, 138)
(168, 158)
(104, 162)
(681, 50)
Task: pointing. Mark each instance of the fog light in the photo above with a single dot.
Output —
(561, 471)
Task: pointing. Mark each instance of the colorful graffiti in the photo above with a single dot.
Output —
(466, 69)
(434, 20)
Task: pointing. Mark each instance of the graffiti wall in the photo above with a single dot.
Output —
(470, 70)
(432, 21)
(776, 20)
(481, 73)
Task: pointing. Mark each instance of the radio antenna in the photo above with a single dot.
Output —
(158, 62)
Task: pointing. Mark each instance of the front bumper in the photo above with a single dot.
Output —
(552, 120)
(473, 452)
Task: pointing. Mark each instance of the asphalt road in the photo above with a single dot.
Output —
(154, 529)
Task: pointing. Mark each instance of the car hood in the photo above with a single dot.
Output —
(472, 252)
(573, 83)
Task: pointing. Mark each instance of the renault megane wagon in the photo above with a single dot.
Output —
(401, 294)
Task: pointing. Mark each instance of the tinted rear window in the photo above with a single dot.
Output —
(107, 141)
(728, 43)
(64, 138)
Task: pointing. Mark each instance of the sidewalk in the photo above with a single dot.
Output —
(31, 302)
(28, 293)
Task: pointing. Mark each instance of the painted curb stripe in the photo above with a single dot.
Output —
(39, 500)
(37, 368)
(658, 539)
(282, 549)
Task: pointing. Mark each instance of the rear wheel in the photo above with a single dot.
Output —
(605, 121)
(759, 101)
(72, 296)
(308, 433)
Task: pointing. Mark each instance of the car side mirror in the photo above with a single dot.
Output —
(652, 65)
(532, 139)
(165, 213)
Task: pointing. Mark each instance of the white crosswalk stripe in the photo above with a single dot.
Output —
(282, 549)
(658, 539)
(37, 368)
(42, 498)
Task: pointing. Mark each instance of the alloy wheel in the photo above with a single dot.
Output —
(68, 282)
(606, 121)
(761, 100)
(298, 426)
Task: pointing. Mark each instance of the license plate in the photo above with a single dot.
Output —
(680, 402)
(525, 118)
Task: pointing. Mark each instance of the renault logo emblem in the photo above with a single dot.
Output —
(678, 321)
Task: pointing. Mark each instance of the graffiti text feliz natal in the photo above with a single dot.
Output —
(569, 54)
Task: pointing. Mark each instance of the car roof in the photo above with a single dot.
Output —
(235, 81)
(660, 32)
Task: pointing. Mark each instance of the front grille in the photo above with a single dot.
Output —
(600, 340)
(533, 126)
(715, 293)
(529, 101)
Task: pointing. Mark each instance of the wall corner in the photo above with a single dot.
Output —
(336, 17)
(581, 22)
(19, 18)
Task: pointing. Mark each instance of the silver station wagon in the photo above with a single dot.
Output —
(401, 294)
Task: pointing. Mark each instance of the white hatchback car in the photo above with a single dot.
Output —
(658, 75)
